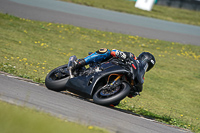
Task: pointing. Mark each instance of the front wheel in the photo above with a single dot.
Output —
(106, 96)
(57, 79)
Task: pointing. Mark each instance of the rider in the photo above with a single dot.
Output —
(143, 63)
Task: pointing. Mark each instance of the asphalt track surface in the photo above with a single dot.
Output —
(106, 20)
(75, 109)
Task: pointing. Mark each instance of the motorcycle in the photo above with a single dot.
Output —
(105, 82)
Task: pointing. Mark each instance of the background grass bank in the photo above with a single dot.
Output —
(17, 119)
(30, 49)
(160, 12)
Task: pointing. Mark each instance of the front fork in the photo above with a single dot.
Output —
(70, 72)
(71, 64)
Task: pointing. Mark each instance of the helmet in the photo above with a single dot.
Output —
(147, 57)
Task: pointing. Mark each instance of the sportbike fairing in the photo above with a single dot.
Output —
(84, 85)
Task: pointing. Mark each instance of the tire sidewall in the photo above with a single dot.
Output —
(115, 98)
(56, 85)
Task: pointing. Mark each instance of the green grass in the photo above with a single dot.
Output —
(17, 119)
(31, 49)
(160, 12)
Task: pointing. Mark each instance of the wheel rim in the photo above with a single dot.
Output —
(106, 92)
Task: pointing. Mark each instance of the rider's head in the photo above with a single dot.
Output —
(147, 57)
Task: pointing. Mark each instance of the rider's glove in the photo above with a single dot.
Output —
(78, 64)
(120, 54)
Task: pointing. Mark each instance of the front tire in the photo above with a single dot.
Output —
(107, 100)
(54, 83)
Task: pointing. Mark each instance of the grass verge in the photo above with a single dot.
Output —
(30, 49)
(17, 119)
(160, 12)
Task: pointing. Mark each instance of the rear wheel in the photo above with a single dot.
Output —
(106, 96)
(57, 78)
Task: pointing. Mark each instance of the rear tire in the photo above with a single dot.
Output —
(52, 83)
(121, 94)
